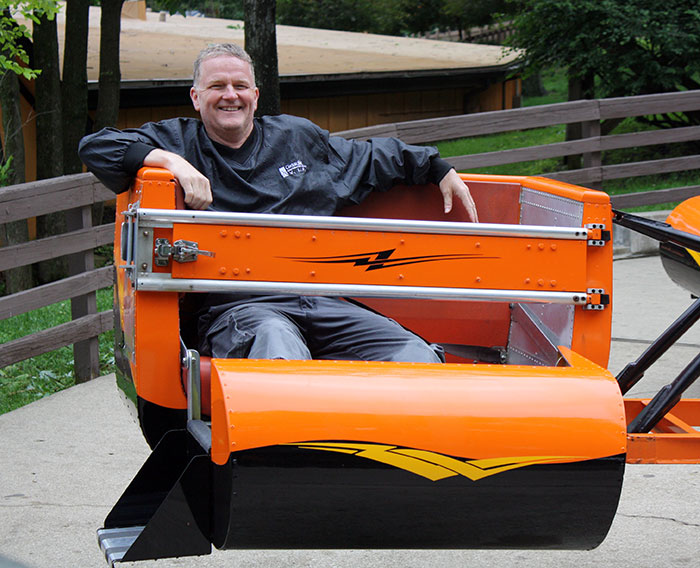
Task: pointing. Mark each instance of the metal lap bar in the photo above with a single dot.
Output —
(166, 218)
(164, 283)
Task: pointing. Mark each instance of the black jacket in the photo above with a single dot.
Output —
(288, 164)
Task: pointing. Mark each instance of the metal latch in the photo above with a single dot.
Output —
(180, 251)
(597, 234)
(597, 299)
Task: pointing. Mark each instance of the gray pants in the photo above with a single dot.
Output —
(312, 327)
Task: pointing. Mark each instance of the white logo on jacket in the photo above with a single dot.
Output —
(293, 169)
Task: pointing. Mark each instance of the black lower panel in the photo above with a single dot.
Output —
(156, 420)
(287, 497)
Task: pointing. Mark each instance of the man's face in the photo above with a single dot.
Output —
(226, 98)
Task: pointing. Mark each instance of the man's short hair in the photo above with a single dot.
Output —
(218, 49)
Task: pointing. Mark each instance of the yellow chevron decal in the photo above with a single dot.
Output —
(695, 255)
(427, 464)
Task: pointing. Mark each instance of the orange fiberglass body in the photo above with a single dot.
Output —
(519, 440)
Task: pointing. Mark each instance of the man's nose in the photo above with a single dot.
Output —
(230, 92)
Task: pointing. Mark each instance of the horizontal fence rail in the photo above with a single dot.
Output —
(588, 113)
(77, 193)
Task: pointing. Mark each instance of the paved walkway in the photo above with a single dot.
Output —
(67, 458)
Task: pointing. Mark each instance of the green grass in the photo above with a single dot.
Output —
(32, 379)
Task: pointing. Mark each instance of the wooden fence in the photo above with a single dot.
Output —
(590, 114)
(494, 34)
(76, 195)
(79, 192)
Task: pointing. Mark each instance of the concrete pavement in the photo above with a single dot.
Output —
(67, 458)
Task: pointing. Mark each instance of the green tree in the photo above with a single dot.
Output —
(629, 47)
(261, 44)
(14, 62)
(74, 85)
(49, 143)
(110, 72)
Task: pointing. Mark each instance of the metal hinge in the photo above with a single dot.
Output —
(597, 299)
(180, 251)
(598, 235)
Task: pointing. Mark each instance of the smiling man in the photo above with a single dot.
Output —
(231, 161)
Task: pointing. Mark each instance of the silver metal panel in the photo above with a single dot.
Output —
(530, 342)
(166, 218)
(164, 283)
(540, 208)
(558, 319)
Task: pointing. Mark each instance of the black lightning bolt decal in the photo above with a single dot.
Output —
(380, 259)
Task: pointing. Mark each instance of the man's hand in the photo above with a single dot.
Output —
(193, 183)
(452, 185)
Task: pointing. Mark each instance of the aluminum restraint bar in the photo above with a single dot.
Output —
(166, 218)
(157, 282)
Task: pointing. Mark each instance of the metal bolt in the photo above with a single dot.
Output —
(144, 266)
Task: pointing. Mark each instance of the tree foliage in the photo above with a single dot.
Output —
(391, 17)
(631, 46)
(13, 35)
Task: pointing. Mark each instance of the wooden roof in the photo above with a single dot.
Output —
(155, 49)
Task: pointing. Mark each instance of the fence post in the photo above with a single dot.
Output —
(591, 129)
(86, 354)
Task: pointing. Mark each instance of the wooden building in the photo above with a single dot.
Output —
(340, 80)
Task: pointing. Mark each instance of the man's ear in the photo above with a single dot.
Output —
(195, 98)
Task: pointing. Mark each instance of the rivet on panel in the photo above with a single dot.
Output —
(402, 241)
(527, 280)
(528, 247)
(477, 244)
(540, 246)
(237, 234)
(312, 273)
(236, 271)
(313, 238)
(553, 246)
(222, 270)
(553, 283)
(540, 282)
(400, 276)
(247, 270)
(247, 235)
(223, 233)
(478, 278)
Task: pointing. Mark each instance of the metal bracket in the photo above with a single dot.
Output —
(598, 235)
(180, 251)
(597, 299)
